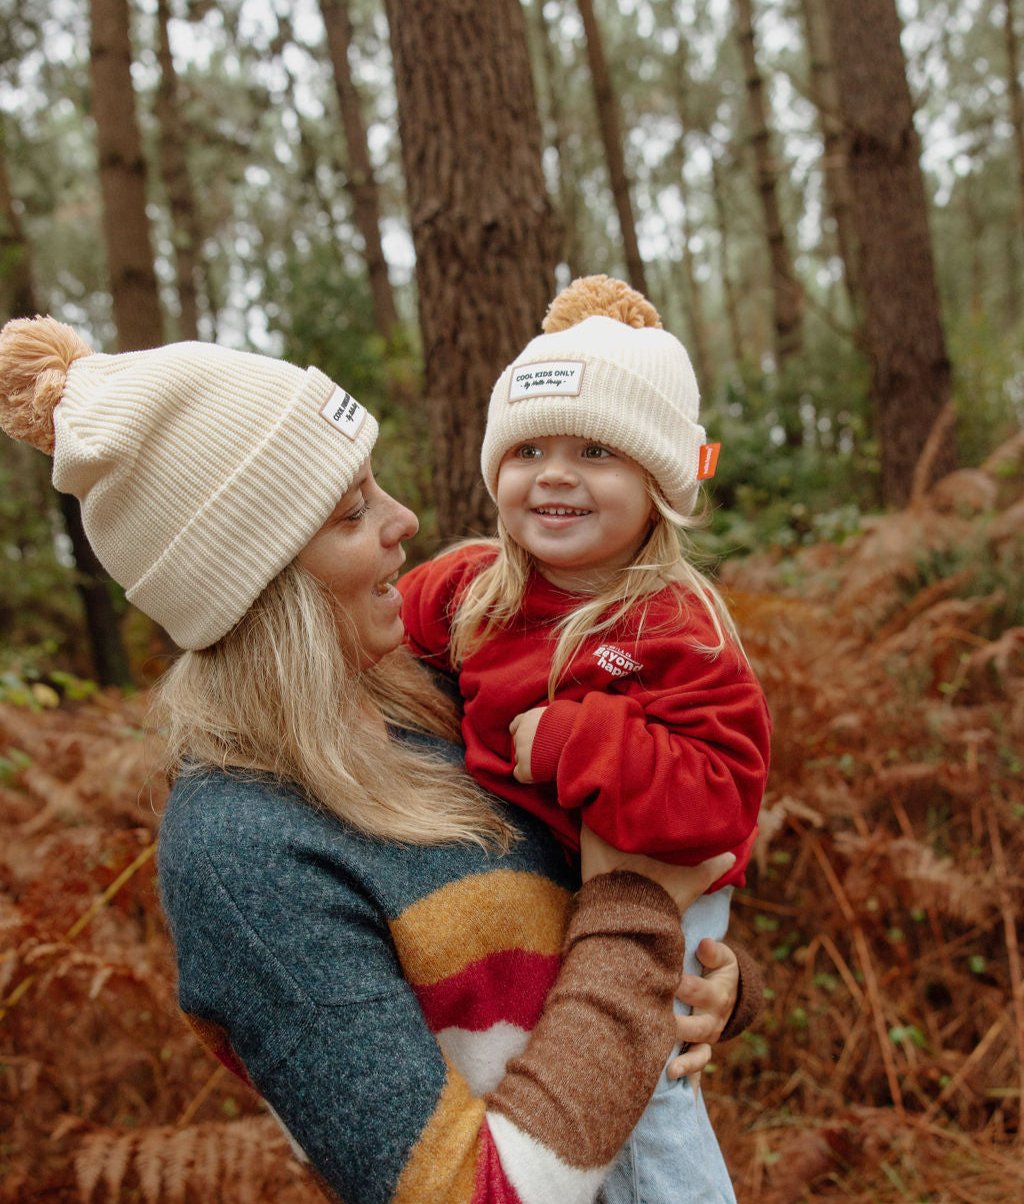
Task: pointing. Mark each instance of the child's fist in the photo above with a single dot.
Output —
(523, 729)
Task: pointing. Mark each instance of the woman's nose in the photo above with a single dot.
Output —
(401, 523)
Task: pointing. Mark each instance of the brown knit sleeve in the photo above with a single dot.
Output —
(607, 1028)
(749, 994)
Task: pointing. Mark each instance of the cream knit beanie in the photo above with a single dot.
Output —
(603, 370)
(201, 472)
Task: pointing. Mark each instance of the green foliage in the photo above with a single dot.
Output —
(797, 465)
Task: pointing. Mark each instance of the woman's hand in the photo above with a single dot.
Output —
(712, 998)
(685, 883)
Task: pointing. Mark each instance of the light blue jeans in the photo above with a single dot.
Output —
(672, 1156)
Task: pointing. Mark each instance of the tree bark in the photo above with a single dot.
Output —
(611, 136)
(103, 624)
(787, 295)
(133, 285)
(903, 329)
(834, 161)
(568, 190)
(480, 217)
(360, 179)
(1016, 95)
(15, 259)
(181, 197)
(732, 311)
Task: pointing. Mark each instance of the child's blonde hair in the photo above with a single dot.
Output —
(495, 596)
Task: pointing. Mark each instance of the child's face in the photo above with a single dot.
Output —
(581, 510)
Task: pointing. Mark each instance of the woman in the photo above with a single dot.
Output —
(392, 960)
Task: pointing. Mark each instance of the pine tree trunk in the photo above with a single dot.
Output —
(703, 361)
(133, 286)
(103, 625)
(1016, 95)
(787, 295)
(16, 292)
(732, 311)
(360, 179)
(903, 330)
(480, 217)
(568, 191)
(826, 98)
(611, 136)
(181, 198)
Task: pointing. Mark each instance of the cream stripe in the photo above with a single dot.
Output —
(486, 912)
(481, 1057)
(538, 1174)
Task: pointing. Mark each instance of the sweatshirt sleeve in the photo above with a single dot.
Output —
(673, 766)
(331, 1033)
(430, 595)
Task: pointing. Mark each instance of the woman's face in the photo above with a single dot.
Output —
(357, 554)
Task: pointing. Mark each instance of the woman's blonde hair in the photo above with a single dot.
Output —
(277, 696)
(495, 596)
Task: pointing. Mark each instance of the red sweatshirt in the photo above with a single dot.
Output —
(661, 749)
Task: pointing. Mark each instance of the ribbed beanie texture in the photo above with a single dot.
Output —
(202, 472)
(632, 389)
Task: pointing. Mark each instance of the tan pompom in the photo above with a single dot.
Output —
(588, 296)
(35, 354)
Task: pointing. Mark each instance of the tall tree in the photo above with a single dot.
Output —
(359, 178)
(1016, 96)
(177, 181)
(133, 285)
(16, 292)
(911, 378)
(732, 309)
(480, 217)
(834, 139)
(611, 136)
(787, 295)
(91, 581)
(568, 197)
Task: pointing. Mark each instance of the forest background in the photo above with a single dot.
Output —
(825, 200)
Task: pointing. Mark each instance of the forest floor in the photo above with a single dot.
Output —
(885, 903)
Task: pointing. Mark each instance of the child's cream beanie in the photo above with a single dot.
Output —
(603, 370)
(201, 472)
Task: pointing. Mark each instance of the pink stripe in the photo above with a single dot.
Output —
(511, 985)
(492, 1185)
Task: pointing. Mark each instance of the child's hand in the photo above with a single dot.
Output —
(712, 998)
(523, 729)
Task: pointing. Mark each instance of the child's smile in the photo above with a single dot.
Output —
(579, 508)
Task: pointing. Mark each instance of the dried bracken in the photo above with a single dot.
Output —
(884, 902)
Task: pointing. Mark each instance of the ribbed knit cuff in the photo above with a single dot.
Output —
(552, 734)
(749, 995)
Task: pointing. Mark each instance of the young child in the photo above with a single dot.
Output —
(601, 676)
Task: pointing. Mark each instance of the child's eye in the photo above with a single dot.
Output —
(595, 451)
(527, 451)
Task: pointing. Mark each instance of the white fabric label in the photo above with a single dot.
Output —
(561, 377)
(343, 411)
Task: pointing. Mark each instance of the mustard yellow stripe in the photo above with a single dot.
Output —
(442, 1165)
(475, 917)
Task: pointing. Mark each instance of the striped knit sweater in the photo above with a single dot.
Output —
(386, 999)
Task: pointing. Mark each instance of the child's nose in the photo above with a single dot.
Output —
(557, 470)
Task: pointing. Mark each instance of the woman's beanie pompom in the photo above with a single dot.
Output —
(589, 296)
(35, 355)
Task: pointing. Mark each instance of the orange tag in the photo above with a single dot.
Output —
(708, 460)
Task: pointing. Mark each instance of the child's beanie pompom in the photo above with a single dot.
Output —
(590, 296)
(35, 355)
